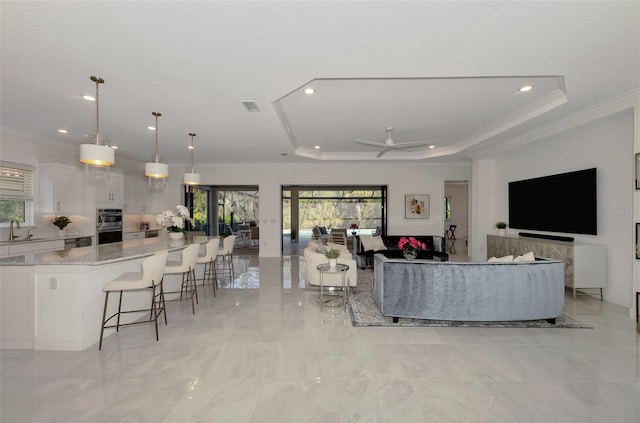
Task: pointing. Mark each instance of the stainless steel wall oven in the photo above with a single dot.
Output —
(109, 225)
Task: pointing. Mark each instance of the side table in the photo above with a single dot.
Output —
(326, 269)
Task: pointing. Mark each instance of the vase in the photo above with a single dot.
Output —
(502, 232)
(410, 253)
(62, 233)
(176, 235)
(333, 263)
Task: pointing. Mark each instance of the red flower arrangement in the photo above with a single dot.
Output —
(411, 243)
(353, 226)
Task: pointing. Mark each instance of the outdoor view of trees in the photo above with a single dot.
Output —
(11, 210)
(335, 209)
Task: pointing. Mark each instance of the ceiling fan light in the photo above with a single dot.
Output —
(191, 178)
(96, 154)
(156, 170)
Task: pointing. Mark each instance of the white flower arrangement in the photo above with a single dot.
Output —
(174, 222)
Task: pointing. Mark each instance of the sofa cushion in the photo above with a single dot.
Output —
(501, 259)
(323, 230)
(368, 243)
(525, 257)
(379, 243)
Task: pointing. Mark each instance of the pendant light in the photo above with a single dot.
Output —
(155, 170)
(96, 154)
(192, 178)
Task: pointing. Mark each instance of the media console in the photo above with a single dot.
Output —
(545, 236)
(585, 265)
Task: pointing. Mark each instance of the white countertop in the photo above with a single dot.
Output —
(102, 254)
(44, 239)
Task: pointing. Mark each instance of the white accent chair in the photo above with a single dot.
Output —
(150, 277)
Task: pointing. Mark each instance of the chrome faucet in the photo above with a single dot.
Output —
(29, 234)
(11, 235)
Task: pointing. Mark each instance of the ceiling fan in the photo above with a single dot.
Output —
(389, 144)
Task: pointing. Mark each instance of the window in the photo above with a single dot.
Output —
(16, 193)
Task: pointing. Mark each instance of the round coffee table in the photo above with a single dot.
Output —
(339, 269)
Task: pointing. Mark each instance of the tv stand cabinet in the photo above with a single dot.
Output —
(585, 265)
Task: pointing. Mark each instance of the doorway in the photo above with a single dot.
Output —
(456, 219)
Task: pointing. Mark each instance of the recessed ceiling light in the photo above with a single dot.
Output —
(191, 147)
(89, 97)
(317, 147)
(63, 131)
(115, 147)
(309, 91)
(151, 128)
(526, 88)
(432, 146)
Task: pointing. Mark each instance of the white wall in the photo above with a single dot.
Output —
(401, 179)
(606, 144)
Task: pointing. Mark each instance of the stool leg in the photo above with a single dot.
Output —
(154, 310)
(192, 276)
(164, 308)
(119, 309)
(104, 316)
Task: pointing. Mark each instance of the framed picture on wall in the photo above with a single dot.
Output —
(637, 170)
(416, 206)
(638, 241)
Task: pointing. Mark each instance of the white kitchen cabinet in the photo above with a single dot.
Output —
(136, 194)
(60, 188)
(133, 235)
(109, 188)
(36, 246)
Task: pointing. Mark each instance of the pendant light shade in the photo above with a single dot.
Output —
(192, 178)
(95, 153)
(156, 170)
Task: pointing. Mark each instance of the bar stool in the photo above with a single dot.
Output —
(149, 277)
(208, 259)
(186, 267)
(224, 259)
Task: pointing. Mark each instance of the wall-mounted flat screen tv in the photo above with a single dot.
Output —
(566, 202)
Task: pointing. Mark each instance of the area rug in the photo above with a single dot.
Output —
(365, 312)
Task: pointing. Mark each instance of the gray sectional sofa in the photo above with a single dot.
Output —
(511, 291)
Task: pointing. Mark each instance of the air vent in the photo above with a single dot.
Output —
(251, 106)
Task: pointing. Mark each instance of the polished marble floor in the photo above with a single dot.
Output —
(261, 351)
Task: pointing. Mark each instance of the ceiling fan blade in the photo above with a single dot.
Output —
(413, 144)
(370, 143)
(384, 150)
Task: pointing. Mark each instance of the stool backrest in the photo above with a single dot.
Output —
(190, 255)
(227, 244)
(153, 267)
(211, 249)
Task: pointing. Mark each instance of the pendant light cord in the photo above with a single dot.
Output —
(156, 114)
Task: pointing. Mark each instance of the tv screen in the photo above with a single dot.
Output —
(564, 202)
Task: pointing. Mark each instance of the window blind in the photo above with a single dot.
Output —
(16, 181)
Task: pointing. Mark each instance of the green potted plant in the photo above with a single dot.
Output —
(332, 255)
(61, 222)
(501, 227)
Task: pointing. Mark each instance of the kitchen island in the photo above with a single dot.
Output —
(53, 300)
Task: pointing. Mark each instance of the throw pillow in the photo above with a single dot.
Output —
(501, 259)
(323, 230)
(525, 257)
(321, 248)
(368, 244)
(379, 243)
(340, 247)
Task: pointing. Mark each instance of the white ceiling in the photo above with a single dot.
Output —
(441, 70)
